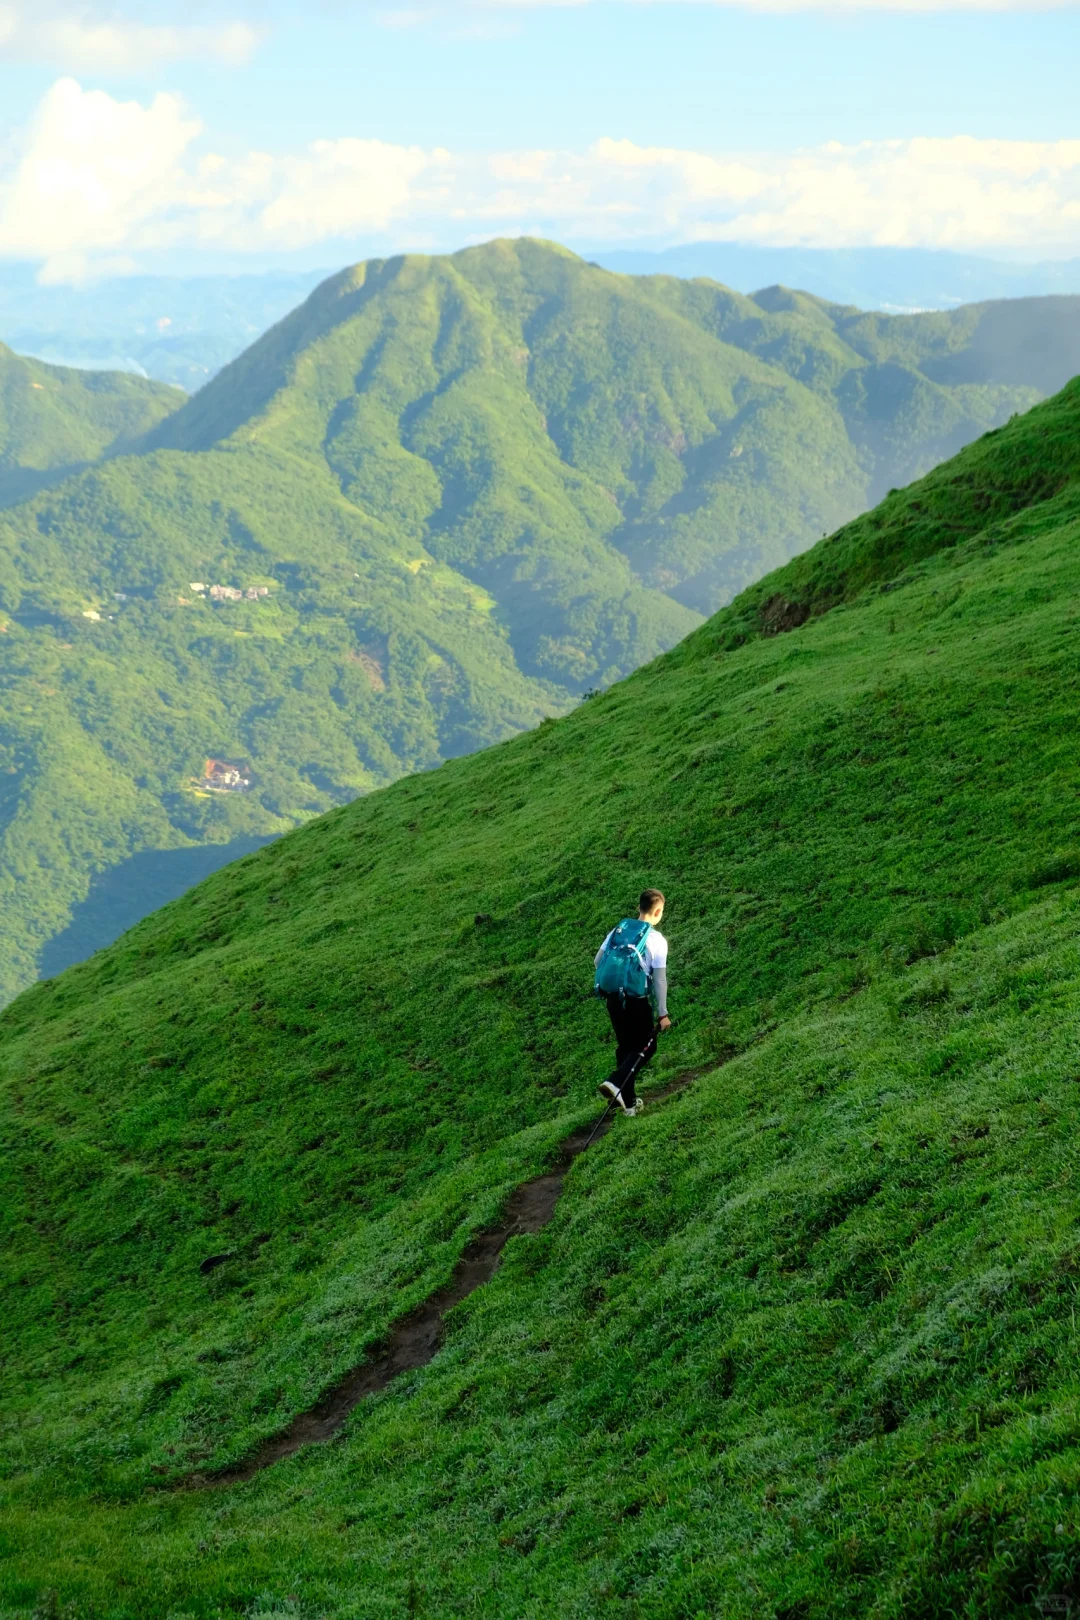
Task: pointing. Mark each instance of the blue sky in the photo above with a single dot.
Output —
(690, 75)
(141, 136)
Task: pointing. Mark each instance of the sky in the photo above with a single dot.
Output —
(273, 133)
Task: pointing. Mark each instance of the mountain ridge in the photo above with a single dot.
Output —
(893, 280)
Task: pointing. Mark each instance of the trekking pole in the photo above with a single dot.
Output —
(599, 1122)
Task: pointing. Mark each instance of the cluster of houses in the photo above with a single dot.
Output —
(229, 593)
(211, 593)
(220, 777)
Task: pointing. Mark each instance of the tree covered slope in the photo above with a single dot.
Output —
(54, 420)
(471, 489)
(800, 1342)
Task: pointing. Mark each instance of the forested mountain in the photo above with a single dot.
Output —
(441, 499)
(800, 1341)
(54, 420)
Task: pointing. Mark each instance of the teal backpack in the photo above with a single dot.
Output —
(622, 970)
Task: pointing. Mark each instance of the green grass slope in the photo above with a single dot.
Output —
(54, 420)
(801, 1343)
(474, 488)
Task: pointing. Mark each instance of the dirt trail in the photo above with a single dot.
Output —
(413, 1341)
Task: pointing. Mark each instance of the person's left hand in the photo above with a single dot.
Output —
(665, 1022)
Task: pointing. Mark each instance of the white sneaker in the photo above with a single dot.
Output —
(612, 1093)
(638, 1108)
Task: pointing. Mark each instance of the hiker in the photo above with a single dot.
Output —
(631, 975)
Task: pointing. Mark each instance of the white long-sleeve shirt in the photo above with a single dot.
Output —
(655, 967)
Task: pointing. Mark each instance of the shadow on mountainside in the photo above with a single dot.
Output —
(126, 893)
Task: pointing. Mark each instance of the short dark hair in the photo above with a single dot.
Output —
(649, 900)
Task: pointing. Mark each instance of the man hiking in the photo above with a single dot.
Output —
(631, 975)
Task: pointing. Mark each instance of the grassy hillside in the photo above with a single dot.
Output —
(54, 420)
(801, 1342)
(472, 488)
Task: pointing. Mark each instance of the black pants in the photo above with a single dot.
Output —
(635, 1038)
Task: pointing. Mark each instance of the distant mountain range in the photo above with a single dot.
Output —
(894, 280)
(178, 329)
(183, 329)
(441, 499)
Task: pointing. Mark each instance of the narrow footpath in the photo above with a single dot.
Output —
(414, 1340)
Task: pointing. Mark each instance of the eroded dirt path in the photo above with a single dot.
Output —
(413, 1341)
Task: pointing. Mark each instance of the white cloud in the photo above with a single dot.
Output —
(945, 193)
(98, 183)
(342, 188)
(83, 42)
(92, 171)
